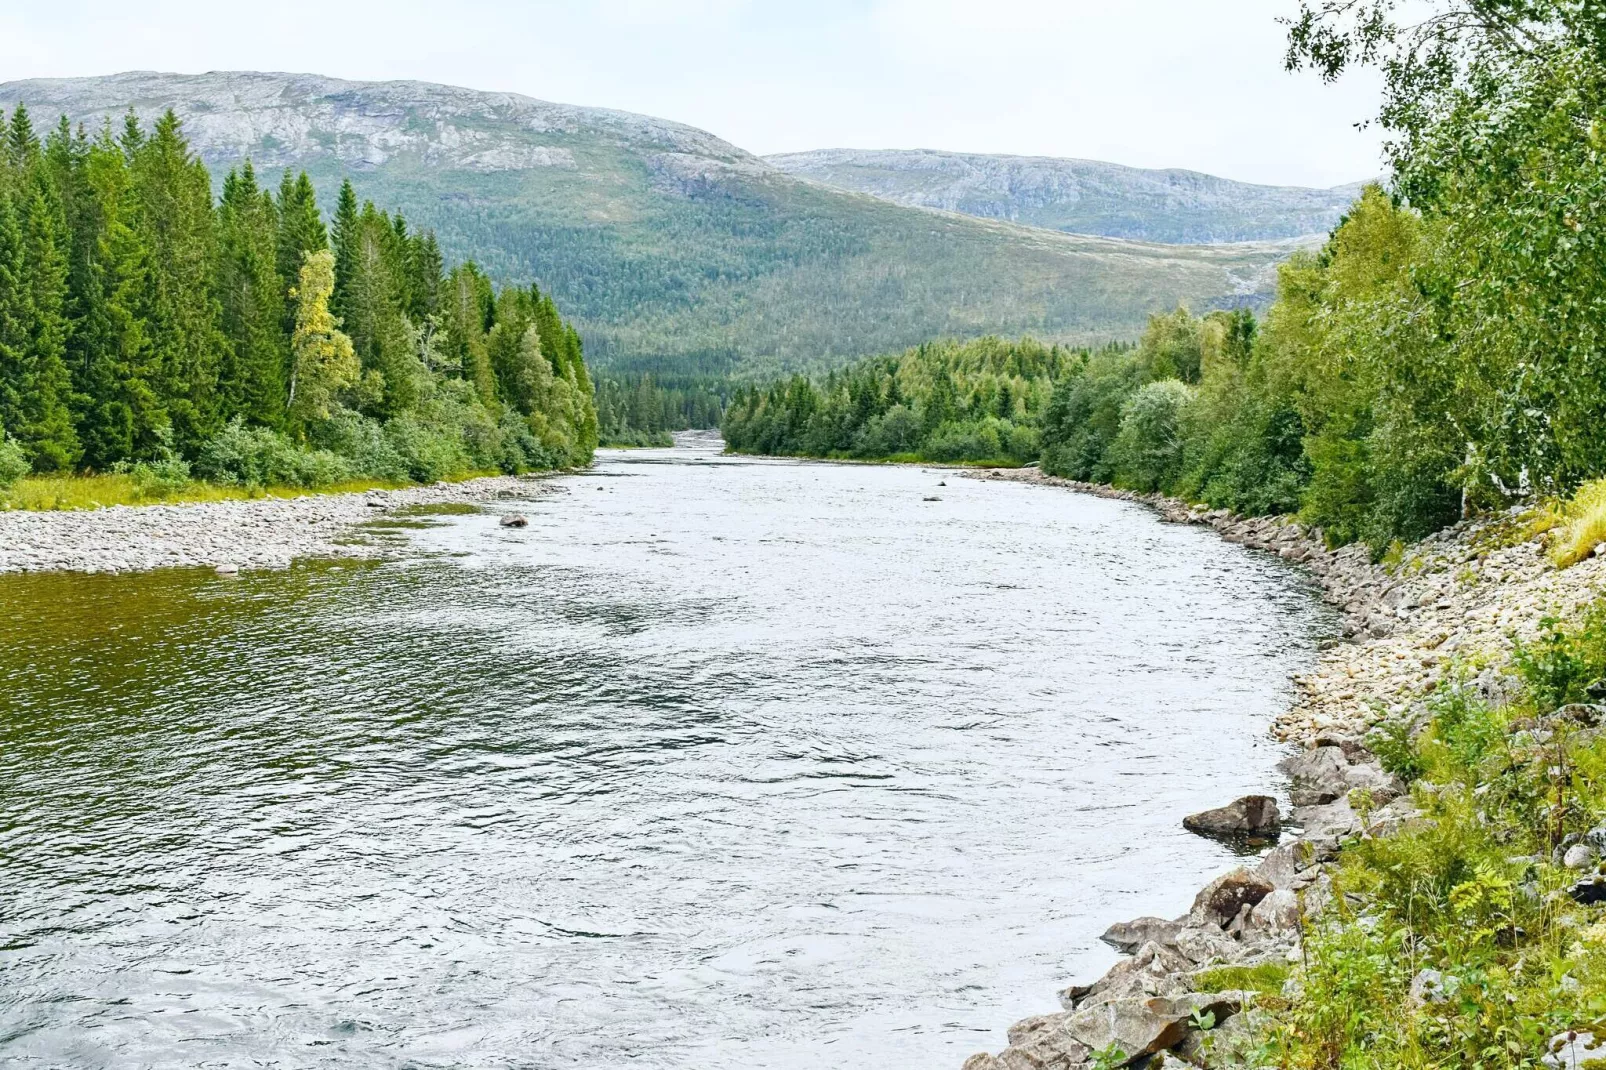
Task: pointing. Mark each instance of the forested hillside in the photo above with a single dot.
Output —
(1079, 196)
(975, 401)
(673, 251)
(145, 323)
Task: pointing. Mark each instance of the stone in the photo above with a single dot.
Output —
(1134, 1027)
(1432, 986)
(1579, 856)
(1127, 936)
(515, 521)
(1335, 819)
(1589, 891)
(1155, 970)
(1319, 775)
(1201, 945)
(1278, 912)
(1043, 1043)
(981, 1061)
(1221, 900)
(1573, 1050)
(1252, 815)
(227, 569)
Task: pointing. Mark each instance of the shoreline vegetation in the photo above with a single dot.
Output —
(1435, 899)
(193, 343)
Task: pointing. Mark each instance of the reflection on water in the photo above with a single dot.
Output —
(717, 764)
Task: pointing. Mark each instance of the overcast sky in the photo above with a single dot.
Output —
(1152, 83)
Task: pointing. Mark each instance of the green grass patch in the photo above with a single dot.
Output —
(54, 493)
(1266, 978)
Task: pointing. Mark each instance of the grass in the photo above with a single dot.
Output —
(1267, 978)
(54, 493)
(1582, 525)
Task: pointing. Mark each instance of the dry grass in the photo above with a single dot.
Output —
(1582, 527)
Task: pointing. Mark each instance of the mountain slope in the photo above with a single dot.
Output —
(668, 246)
(1079, 196)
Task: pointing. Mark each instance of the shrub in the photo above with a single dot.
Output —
(13, 462)
(258, 457)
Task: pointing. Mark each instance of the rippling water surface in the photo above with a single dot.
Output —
(718, 764)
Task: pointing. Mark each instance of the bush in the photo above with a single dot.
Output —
(258, 457)
(1147, 452)
(13, 462)
(156, 479)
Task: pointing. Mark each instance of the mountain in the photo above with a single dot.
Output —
(1079, 196)
(670, 248)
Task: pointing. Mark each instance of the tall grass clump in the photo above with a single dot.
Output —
(1583, 525)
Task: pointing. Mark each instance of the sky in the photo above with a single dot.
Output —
(1150, 83)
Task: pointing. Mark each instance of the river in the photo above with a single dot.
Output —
(719, 763)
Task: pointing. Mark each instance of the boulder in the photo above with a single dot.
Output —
(1221, 900)
(1205, 944)
(515, 521)
(981, 1061)
(1319, 775)
(1281, 867)
(1252, 815)
(1043, 1043)
(1432, 986)
(1335, 819)
(1589, 891)
(1127, 936)
(1134, 1027)
(1278, 912)
(1579, 856)
(1156, 970)
(1573, 1050)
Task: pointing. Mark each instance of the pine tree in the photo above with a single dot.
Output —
(301, 231)
(466, 345)
(253, 380)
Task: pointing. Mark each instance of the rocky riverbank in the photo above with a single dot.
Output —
(1453, 603)
(256, 533)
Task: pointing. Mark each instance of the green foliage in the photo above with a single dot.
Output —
(978, 401)
(211, 333)
(1471, 891)
(13, 461)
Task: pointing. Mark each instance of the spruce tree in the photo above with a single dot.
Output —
(46, 430)
(121, 414)
(344, 240)
(253, 381)
(176, 223)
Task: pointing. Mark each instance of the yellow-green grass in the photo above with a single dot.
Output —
(1582, 527)
(49, 493)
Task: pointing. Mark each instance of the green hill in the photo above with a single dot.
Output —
(670, 248)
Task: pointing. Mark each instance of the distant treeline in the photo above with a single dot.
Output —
(982, 400)
(145, 323)
(642, 410)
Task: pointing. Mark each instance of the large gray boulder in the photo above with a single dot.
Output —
(1252, 815)
(1223, 898)
(1127, 936)
(1135, 1027)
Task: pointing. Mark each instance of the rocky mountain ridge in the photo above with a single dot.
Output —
(1079, 196)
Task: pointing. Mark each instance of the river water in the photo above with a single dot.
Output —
(720, 763)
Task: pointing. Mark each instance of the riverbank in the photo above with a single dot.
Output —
(1447, 613)
(253, 533)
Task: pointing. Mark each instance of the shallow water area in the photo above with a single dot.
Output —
(718, 763)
